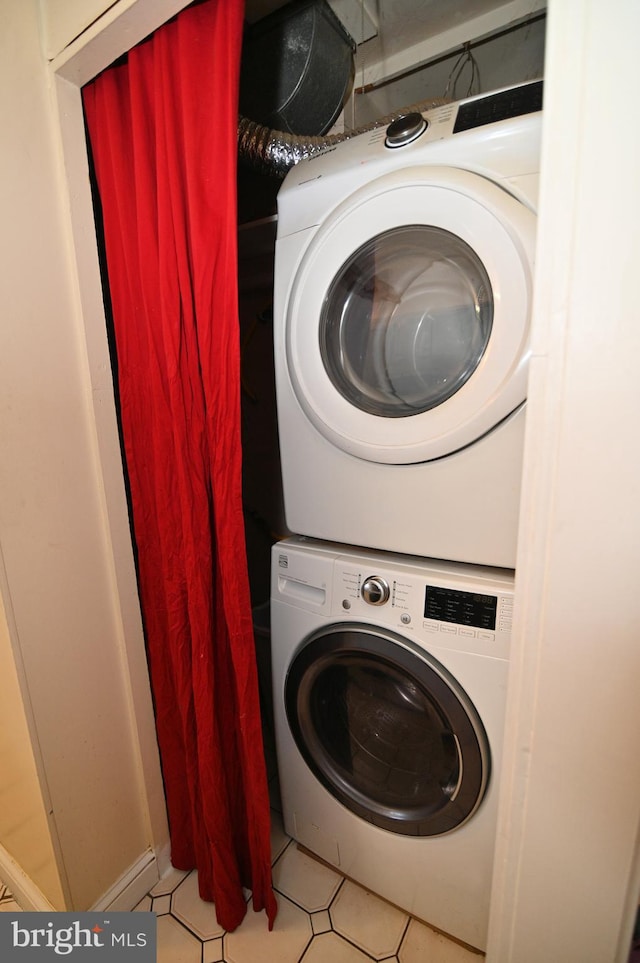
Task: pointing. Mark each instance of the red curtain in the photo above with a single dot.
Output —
(162, 128)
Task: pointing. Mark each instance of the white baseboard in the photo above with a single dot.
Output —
(163, 855)
(132, 886)
(25, 892)
(125, 893)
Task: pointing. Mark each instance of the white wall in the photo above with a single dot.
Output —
(507, 59)
(24, 829)
(84, 675)
(64, 20)
(567, 878)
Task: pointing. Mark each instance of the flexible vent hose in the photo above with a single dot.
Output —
(274, 152)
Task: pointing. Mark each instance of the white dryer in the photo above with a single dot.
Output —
(403, 284)
(389, 682)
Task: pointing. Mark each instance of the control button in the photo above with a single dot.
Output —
(431, 626)
(346, 604)
(375, 590)
(449, 629)
(469, 632)
(405, 129)
(405, 618)
(490, 636)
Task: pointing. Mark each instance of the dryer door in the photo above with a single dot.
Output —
(387, 730)
(407, 324)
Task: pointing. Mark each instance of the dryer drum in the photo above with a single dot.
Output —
(387, 730)
(406, 321)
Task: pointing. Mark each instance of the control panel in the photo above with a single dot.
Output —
(458, 609)
(476, 112)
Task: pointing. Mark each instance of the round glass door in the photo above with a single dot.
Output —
(405, 326)
(406, 321)
(387, 731)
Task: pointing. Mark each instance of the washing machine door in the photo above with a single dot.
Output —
(407, 323)
(387, 731)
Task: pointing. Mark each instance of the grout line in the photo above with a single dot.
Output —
(184, 926)
(335, 896)
(402, 938)
(307, 947)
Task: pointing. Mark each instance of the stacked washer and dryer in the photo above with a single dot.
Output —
(403, 285)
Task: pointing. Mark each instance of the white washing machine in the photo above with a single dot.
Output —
(403, 282)
(389, 682)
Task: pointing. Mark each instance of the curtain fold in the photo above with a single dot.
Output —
(162, 129)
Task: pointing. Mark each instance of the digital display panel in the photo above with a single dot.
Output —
(464, 608)
(526, 99)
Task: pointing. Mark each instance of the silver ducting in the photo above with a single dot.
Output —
(274, 152)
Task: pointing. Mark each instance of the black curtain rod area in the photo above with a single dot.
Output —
(456, 52)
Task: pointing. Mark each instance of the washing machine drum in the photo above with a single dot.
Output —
(387, 730)
(407, 323)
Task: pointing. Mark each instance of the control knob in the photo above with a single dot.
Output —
(405, 129)
(375, 590)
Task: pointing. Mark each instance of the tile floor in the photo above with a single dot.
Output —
(7, 902)
(322, 917)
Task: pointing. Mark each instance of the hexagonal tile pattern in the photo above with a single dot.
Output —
(161, 904)
(331, 947)
(213, 951)
(175, 944)
(327, 918)
(168, 882)
(7, 902)
(368, 921)
(144, 906)
(422, 943)
(195, 913)
(306, 881)
(320, 922)
(286, 942)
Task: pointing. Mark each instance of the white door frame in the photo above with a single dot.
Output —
(567, 871)
(122, 26)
